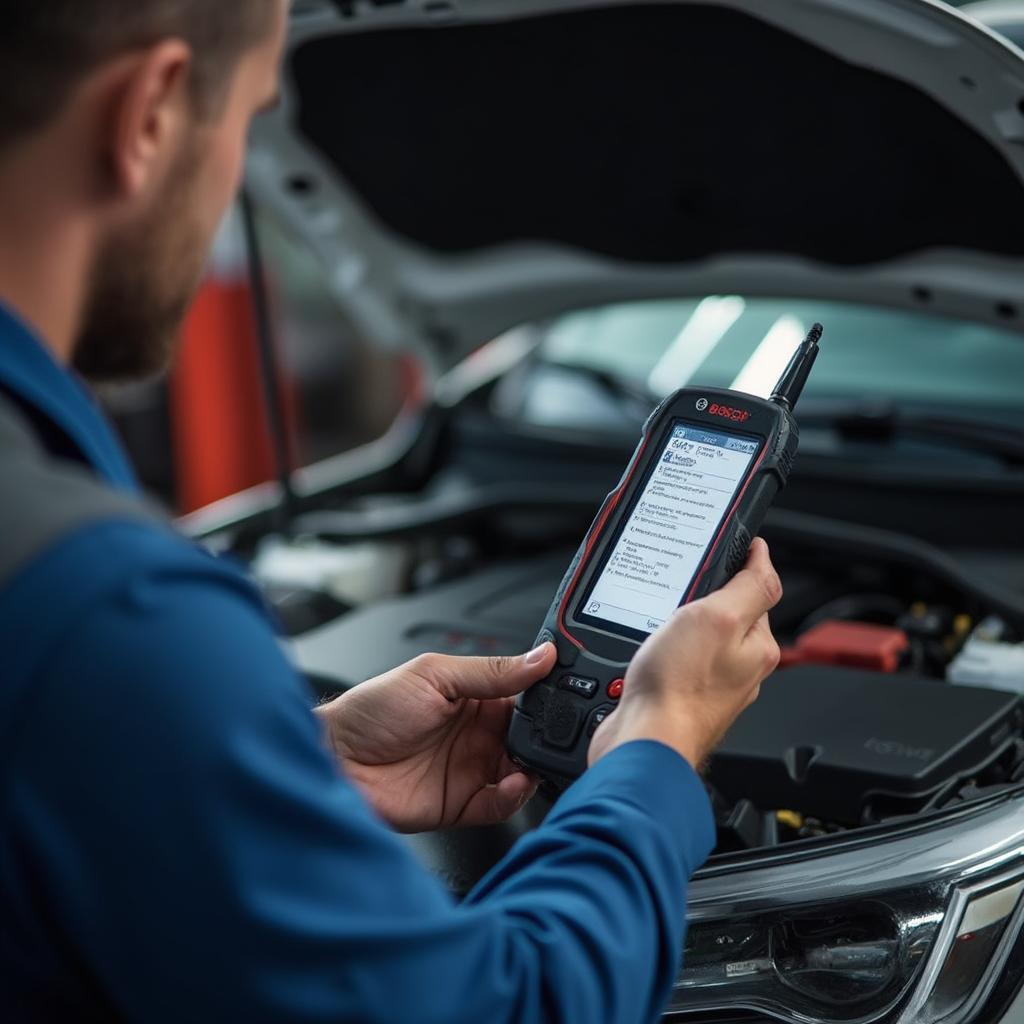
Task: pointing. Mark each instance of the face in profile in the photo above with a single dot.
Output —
(147, 271)
(143, 281)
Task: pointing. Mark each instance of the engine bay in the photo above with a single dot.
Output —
(899, 693)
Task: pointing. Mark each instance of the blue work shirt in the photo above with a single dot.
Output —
(176, 843)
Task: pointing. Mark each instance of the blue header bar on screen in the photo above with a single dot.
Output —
(696, 435)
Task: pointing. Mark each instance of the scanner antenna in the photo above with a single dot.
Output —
(791, 385)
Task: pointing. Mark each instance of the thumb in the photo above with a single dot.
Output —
(491, 678)
(754, 590)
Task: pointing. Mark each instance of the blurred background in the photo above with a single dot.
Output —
(202, 434)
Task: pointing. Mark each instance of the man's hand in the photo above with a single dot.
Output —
(426, 742)
(691, 680)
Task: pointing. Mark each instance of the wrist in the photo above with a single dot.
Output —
(691, 748)
(685, 727)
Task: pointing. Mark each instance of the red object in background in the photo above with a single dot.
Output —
(218, 414)
(855, 644)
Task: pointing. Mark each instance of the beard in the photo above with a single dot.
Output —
(142, 284)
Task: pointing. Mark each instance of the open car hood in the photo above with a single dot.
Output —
(463, 166)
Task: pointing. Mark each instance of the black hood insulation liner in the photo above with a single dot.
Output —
(651, 133)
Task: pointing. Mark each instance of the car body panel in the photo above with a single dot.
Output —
(408, 285)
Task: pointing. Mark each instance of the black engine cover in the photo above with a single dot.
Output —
(827, 741)
(822, 741)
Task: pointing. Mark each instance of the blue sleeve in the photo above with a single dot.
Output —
(190, 845)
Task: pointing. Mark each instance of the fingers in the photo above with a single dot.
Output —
(485, 678)
(752, 593)
(496, 804)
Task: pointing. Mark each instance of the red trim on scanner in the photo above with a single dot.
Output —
(592, 540)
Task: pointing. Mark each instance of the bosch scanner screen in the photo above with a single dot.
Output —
(652, 564)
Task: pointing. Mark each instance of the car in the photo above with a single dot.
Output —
(567, 208)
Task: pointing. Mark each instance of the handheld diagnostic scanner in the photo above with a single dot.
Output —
(678, 526)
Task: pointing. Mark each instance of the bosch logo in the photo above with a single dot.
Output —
(727, 412)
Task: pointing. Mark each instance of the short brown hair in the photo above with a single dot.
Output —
(48, 46)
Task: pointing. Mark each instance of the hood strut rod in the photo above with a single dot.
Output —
(270, 367)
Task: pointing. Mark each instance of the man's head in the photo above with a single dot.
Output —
(150, 101)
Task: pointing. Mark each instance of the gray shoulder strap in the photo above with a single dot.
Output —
(43, 499)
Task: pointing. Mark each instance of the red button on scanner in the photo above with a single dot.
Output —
(615, 689)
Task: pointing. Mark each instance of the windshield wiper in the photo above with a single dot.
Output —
(884, 422)
(633, 398)
(881, 422)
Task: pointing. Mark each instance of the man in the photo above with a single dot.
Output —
(180, 838)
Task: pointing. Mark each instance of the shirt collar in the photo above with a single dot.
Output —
(31, 374)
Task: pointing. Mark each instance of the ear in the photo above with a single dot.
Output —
(148, 114)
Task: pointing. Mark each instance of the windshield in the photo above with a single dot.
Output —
(871, 354)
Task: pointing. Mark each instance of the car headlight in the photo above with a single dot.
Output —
(913, 928)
